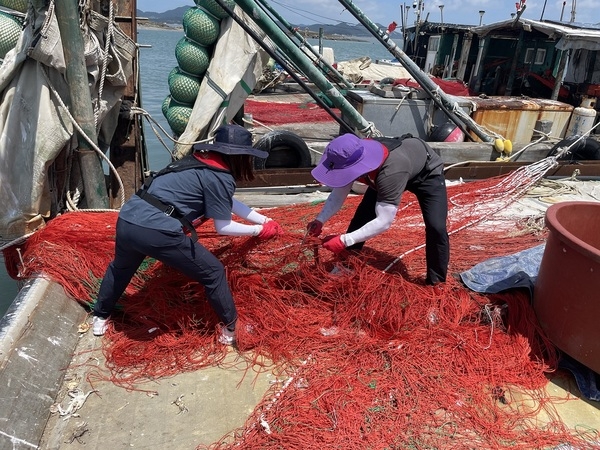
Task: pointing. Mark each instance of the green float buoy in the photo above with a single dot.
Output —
(178, 118)
(167, 103)
(10, 30)
(200, 27)
(191, 57)
(16, 5)
(184, 87)
(214, 8)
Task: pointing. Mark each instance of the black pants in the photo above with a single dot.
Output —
(433, 200)
(134, 243)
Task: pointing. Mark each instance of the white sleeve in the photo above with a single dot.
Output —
(233, 228)
(245, 212)
(334, 202)
(385, 214)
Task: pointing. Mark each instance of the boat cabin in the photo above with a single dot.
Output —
(544, 59)
(541, 59)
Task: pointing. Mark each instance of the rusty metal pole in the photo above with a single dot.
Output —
(92, 174)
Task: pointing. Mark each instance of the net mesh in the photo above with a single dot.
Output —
(10, 30)
(191, 57)
(178, 117)
(200, 27)
(17, 5)
(369, 357)
(184, 88)
(214, 8)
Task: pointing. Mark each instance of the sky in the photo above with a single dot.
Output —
(464, 12)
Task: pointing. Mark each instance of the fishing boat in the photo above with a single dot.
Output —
(365, 357)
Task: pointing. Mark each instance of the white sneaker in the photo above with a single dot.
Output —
(227, 337)
(99, 326)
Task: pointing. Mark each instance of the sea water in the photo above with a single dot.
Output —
(157, 59)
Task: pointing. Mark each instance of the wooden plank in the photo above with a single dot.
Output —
(469, 171)
(478, 171)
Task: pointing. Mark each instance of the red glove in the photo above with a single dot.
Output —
(314, 228)
(270, 229)
(334, 244)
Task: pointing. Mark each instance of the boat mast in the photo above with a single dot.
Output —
(294, 31)
(92, 174)
(303, 62)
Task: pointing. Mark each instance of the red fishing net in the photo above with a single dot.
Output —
(367, 358)
(274, 113)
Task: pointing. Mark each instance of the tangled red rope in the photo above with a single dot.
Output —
(369, 357)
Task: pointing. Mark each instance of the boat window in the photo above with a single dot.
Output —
(529, 55)
(434, 43)
(540, 56)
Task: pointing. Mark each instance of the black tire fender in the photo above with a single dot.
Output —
(286, 150)
(588, 149)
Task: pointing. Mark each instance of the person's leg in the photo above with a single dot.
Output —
(433, 200)
(196, 262)
(120, 271)
(365, 212)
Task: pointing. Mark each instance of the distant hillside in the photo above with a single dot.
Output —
(174, 17)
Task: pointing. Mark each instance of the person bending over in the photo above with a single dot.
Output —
(388, 166)
(154, 221)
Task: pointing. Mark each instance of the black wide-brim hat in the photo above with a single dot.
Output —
(232, 140)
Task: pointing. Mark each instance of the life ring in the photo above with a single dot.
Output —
(587, 149)
(286, 150)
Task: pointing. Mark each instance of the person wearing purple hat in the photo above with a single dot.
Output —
(154, 221)
(388, 166)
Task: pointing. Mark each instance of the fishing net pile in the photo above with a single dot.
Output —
(367, 357)
(277, 113)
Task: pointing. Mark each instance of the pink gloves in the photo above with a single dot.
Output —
(270, 229)
(314, 228)
(334, 244)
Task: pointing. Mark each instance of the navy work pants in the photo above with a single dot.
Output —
(433, 200)
(134, 243)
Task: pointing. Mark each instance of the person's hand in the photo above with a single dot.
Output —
(314, 228)
(334, 244)
(270, 229)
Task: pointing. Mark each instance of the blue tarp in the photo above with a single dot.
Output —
(494, 275)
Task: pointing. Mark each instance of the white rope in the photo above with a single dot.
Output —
(253, 121)
(73, 202)
(142, 112)
(370, 130)
(17, 241)
(275, 80)
(561, 151)
(109, 37)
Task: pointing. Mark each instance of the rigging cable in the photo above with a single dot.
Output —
(283, 64)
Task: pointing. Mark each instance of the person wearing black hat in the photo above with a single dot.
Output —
(154, 221)
(409, 164)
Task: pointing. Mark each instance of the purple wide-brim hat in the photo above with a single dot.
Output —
(346, 158)
(232, 139)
